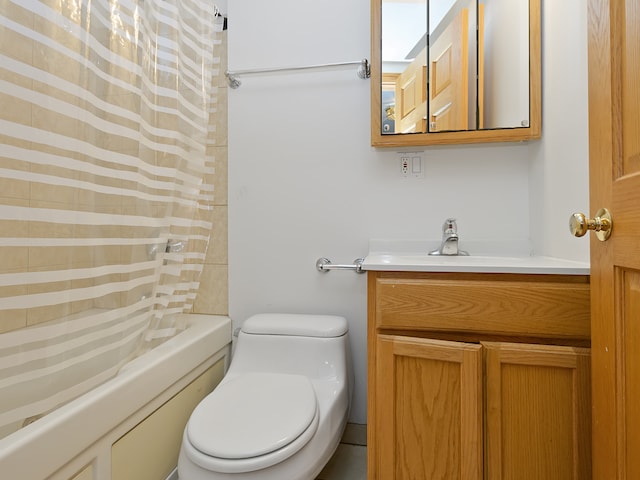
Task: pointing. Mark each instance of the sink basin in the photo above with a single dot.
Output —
(413, 257)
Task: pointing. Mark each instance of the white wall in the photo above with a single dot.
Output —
(304, 181)
(559, 176)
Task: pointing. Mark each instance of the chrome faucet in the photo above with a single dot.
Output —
(449, 244)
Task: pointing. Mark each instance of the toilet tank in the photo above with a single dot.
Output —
(291, 324)
(316, 346)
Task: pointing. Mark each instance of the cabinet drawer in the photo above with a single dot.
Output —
(507, 304)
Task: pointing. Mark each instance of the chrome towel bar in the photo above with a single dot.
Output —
(324, 265)
(364, 70)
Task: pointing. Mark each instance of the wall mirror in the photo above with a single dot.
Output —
(455, 71)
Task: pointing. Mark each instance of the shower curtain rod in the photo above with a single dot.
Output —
(364, 70)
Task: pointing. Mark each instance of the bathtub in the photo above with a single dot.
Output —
(143, 408)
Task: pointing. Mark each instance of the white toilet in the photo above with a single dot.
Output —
(281, 409)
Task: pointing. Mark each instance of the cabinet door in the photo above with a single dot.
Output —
(428, 410)
(538, 412)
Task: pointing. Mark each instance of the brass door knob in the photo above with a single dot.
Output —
(602, 224)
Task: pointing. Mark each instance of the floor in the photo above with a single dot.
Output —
(350, 460)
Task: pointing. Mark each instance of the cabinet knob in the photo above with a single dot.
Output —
(602, 224)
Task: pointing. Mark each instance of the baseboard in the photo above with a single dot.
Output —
(173, 475)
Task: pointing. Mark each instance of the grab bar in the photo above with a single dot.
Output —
(324, 265)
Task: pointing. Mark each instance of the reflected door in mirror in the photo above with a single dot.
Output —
(444, 67)
(449, 70)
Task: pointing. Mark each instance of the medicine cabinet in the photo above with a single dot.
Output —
(455, 71)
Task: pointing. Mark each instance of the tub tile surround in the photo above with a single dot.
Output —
(212, 297)
(26, 193)
(213, 293)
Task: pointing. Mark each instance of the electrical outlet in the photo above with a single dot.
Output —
(411, 166)
(405, 166)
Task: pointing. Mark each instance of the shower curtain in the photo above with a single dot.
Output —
(105, 184)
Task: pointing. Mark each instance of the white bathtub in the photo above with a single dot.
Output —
(75, 441)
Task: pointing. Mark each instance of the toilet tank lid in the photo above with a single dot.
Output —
(302, 325)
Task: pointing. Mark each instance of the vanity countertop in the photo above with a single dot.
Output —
(383, 258)
(471, 263)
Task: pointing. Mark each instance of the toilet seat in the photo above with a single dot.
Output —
(252, 421)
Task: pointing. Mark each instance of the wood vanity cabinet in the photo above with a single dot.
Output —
(478, 376)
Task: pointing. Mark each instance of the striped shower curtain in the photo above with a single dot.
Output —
(104, 187)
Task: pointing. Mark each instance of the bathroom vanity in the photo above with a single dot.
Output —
(478, 369)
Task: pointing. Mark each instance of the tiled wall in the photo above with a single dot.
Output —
(213, 294)
(66, 123)
(104, 211)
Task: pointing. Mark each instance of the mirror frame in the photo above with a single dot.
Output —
(533, 131)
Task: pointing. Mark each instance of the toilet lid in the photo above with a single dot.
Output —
(252, 414)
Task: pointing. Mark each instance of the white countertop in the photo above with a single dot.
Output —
(406, 258)
(480, 264)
